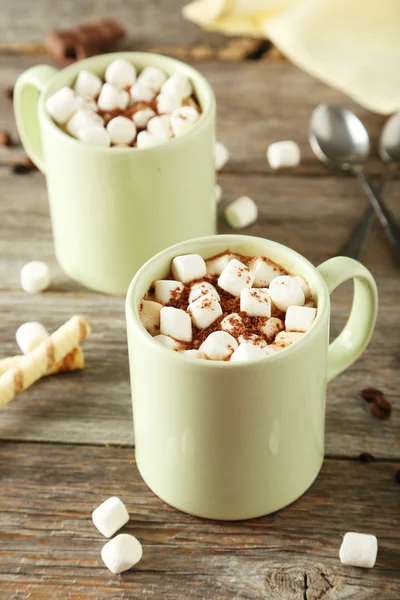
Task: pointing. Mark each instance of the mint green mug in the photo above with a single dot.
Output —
(113, 208)
(239, 440)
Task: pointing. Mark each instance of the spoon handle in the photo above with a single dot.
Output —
(384, 215)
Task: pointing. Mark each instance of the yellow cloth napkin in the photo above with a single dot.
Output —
(352, 45)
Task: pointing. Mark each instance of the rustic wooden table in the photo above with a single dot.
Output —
(66, 444)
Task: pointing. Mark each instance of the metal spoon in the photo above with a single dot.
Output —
(339, 139)
(389, 151)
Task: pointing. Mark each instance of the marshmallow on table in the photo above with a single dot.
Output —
(167, 341)
(247, 352)
(148, 140)
(153, 77)
(149, 312)
(166, 290)
(235, 277)
(141, 92)
(30, 335)
(123, 100)
(232, 323)
(219, 345)
(287, 338)
(110, 516)
(255, 302)
(204, 311)
(216, 265)
(120, 73)
(160, 125)
(272, 327)
(176, 323)
(81, 119)
(166, 103)
(188, 267)
(283, 154)
(142, 117)
(109, 97)
(121, 130)
(264, 271)
(200, 289)
(285, 291)
(177, 85)
(94, 135)
(299, 318)
(61, 105)
(221, 155)
(218, 193)
(241, 213)
(253, 339)
(183, 119)
(359, 550)
(121, 553)
(303, 284)
(194, 353)
(87, 84)
(35, 277)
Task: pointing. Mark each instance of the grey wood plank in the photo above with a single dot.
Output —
(50, 549)
(312, 215)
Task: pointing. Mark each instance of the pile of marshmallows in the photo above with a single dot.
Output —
(77, 110)
(287, 293)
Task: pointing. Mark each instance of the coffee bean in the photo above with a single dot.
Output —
(379, 411)
(371, 394)
(9, 93)
(28, 163)
(5, 139)
(366, 457)
(20, 169)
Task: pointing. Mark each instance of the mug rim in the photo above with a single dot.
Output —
(142, 57)
(132, 310)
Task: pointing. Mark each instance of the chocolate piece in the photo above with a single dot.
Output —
(5, 139)
(366, 457)
(84, 40)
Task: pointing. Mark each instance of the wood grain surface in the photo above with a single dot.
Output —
(67, 443)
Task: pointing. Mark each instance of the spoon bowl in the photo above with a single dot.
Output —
(338, 137)
(389, 141)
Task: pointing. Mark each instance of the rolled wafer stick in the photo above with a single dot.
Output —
(73, 361)
(42, 359)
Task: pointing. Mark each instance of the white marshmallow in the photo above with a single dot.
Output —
(160, 125)
(121, 146)
(121, 553)
(219, 345)
(153, 77)
(35, 277)
(264, 271)
(218, 193)
(94, 135)
(177, 85)
(235, 277)
(299, 318)
(303, 284)
(142, 117)
(252, 339)
(200, 289)
(183, 119)
(149, 312)
(283, 154)
(61, 105)
(205, 310)
(169, 342)
(287, 338)
(87, 84)
(123, 100)
(176, 323)
(109, 96)
(87, 103)
(141, 92)
(232, 323)
(285, 291)
(188, 267)
(167, 289)
(121, 130)
(194, 353)
(167, 103)
(359, 550)
(221, 155)
(148, 140)
(247, 352)
(30, 335)
(81, 119)
(255, 302)
(272, 327)
(216, 265)
(110, 516)
(270, 350)
(120, 73)
(241, 213)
